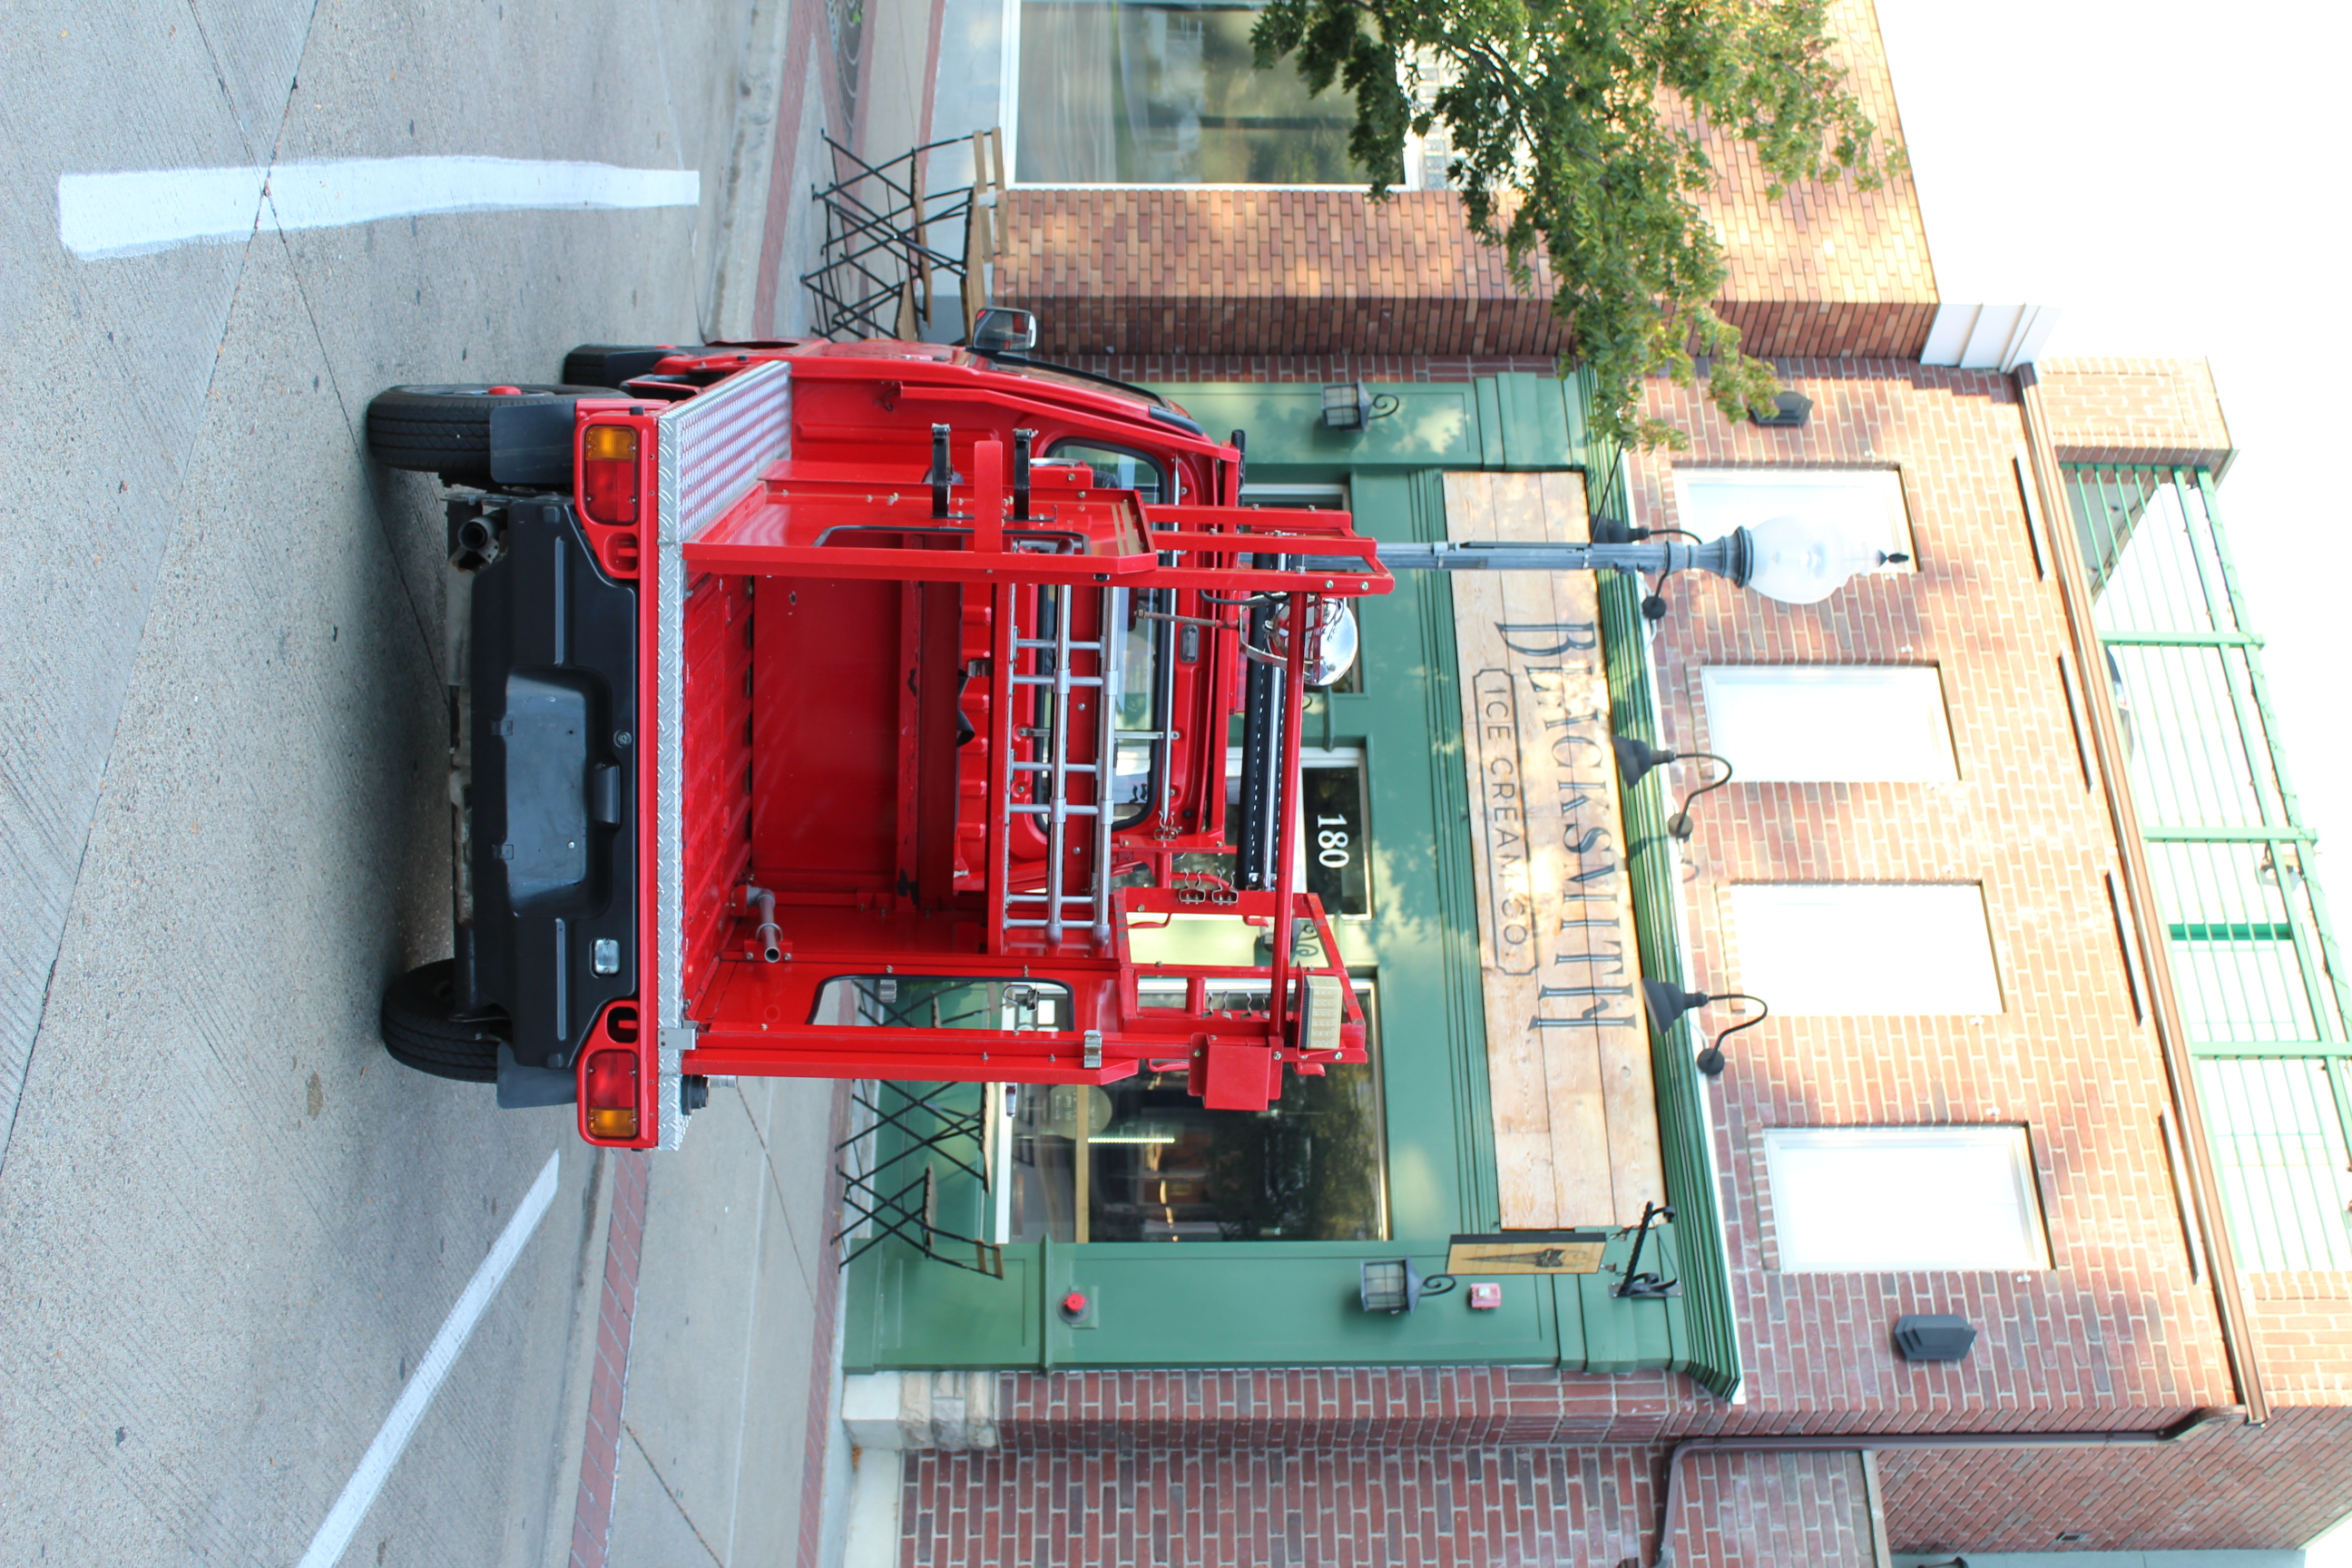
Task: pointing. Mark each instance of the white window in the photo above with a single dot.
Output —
(1879, 1199)
(1865, 947)
(1856, 723)
(1867, 503)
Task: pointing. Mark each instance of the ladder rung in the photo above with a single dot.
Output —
(1056, 680)
(1048, 811)
(1048, 767)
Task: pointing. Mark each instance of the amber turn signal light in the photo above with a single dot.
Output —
(609, 443)
(608, 473)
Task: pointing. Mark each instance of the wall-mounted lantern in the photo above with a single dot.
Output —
(1353, 406)
(1394, 1286)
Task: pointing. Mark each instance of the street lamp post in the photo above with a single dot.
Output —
(1795, 559)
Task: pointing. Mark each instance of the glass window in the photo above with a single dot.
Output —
(1876, 1199)
(1866, 502)
(941, 1001)
(1155, 1166)
(1115, 469)
(1166, 94)
(1332, 842)
(1866, 947)
(1830, 722)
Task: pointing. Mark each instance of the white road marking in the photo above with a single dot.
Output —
(139, 211)
(360, 1492)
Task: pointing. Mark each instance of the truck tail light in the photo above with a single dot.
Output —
(613, 1095)
(608, 473)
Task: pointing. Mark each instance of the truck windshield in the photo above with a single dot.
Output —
(1117, 469)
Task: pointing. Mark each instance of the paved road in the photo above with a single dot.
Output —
(228, 1224)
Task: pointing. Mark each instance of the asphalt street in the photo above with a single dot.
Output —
(229, 1224)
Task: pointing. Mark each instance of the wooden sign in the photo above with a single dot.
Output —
(1567, 1052)
(1528, 1252)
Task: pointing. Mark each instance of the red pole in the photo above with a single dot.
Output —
(1287, 833)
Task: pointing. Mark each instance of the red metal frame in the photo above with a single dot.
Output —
(856, 808)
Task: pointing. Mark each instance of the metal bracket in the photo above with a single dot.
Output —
(1093, 1049)
(676, 1040)
(1637, 1286)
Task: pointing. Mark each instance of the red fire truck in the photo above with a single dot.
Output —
(863, 710)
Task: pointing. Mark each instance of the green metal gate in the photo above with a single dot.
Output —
(2254, 961)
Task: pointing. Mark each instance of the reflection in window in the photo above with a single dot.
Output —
(1115, 468)
(1125, 93)
(1155, 1166)
(1879, 1199)
(941, 1001)
(1806, 723)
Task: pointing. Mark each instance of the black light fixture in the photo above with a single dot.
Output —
(1393, 1286)
(1354, 406)
(1669, 1002)
(1790, 410)
(1636, 757)
(1617, 531)
(1933, 1336)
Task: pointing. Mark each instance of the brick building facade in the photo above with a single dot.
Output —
(2120, 1335)
(1824, 270)
(1233, 1407)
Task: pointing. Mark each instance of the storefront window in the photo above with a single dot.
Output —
(1155, 1166)
(1166, 94)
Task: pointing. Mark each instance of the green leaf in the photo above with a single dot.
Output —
(1577, 130)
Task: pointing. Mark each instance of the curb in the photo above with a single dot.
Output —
(608, 1385)
(744, 210)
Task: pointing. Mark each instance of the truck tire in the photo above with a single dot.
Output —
(446, 430)
(420, 1033)
(610, 364)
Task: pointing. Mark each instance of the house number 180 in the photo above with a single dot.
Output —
(1333, 841)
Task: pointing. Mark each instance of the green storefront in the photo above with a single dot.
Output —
(1398, 1160)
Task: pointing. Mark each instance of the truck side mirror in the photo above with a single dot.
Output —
(1002, 331)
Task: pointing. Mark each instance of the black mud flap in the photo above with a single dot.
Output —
(524, 1089)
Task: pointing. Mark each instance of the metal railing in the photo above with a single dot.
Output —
(905, 255)
(2253, 959)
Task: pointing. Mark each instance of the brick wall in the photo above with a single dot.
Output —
(1270, 271)
(1827, 271)
(2246, 1487)
(1311, 369)
(2117, 1322)
(1824, 270)
(2303, 1335)
(2135, 411)
(1382, 1509)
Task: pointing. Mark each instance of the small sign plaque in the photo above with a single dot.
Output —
(1528, 1252)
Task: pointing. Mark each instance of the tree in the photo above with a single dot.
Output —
(1578, 130)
